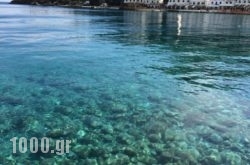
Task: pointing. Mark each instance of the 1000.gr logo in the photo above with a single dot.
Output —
(43, 145)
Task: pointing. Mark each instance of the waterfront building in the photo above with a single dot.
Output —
(192, 4)
(208, 4)
(179, 3)
(220, 3)
(186, 4)
(149, 3)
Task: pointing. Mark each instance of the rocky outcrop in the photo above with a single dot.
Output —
(21, 2)
(50, 2)
(71, 3)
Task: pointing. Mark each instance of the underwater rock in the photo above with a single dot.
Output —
(118, 108)
(90, 162)
(95, 152)
(71, 155)
(171, 114)
(81, 133)
(156, 127)
(190, 155)
(139, 120)
(107, 138)
(129, 151)
(145, 160)
(117, 159)
(182, 145)
(155, 148)
(63, 161)
(11, 100)
(215, 138)
(245, 140)
(172, 135)
(55, 133)
(219, 128)
(155, 98)
(47, 161)
(89, 138)
(237, 147)
(246, 113)
(45, 91)
(92, 122)
(122, 159)
(167, 157)
(231, 158)
(211, 159)
(81, 151)
(63, 110)
(107, 129)
(80, 89)
(18, 122)
(124, 139)
(154, 138)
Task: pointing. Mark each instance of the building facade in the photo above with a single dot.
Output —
(144, 2)
(189, 4)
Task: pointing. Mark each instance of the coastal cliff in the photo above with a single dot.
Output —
(72, 3)
(45, 2)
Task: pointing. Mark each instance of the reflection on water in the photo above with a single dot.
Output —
(127, 87)
(179, 24)
(210, 50)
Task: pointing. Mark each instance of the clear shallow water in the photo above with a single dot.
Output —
(145, 87)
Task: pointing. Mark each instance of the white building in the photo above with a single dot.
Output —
(208, 3)
(145, 2)
(180, 3)
(187, 3)
(242, 2)
(197, 3)
(220, 3)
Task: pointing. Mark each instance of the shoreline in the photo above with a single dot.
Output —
(221, 11)
(143, 9)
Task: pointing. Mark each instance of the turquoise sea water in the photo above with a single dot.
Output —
(125, 87)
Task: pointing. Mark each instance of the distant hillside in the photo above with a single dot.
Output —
(68, 2)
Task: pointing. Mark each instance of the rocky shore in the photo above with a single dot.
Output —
(65, 3)
(49, 3)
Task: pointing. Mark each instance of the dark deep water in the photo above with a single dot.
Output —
(125, 86)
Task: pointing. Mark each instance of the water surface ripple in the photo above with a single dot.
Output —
(127, 87)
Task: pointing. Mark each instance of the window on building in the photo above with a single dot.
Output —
(178, 0)
(198, 3)
(244, 1)
(183, 0)
(193, 3)
(220, 2)
(212, 3)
